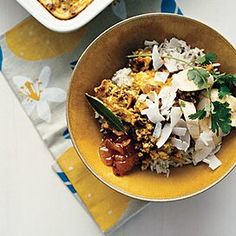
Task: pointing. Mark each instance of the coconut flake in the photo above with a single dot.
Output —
(179, 144)
(175, 115)
(150, 43)
(201, 155)
(153, 97)
(179, 131)
(188, 108)
(122, 77)
(165, 134)
(167, 96)
(161, 76)
(177, 43)
(156, 58)
(183, 142)
(157, 130)
(149, 102)
(213, 162)
(171, 65)
(204, 146)
(153, 113)
(179, 49)
(207, 138)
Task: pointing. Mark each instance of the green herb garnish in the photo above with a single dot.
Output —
(220, 117)
(200, 114)
(108, 115)
(224, 83)
(223, 91)
(199, 76)
(207, 58)
(220, 113)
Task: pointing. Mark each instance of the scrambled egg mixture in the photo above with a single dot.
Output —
(124, 101)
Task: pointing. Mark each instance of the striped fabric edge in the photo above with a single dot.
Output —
(56, 168)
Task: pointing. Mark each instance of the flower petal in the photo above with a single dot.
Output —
(53, 95)
(28, 106)
(20, 80)
(43, 111)
(44, 76)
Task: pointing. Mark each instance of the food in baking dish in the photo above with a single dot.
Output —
(65, 9)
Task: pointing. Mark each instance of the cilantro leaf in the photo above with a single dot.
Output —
(228, 79)
(207, 58)
(199, 76)
(224, 83)
(223, 91)
(221, 117)
(200, 114)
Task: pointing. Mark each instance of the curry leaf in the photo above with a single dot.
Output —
(108, 115)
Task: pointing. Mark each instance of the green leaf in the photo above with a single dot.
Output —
(221, 117)
(207, 58)
(200, 114)
(108, 115)
(224, 83)
(223, 91)
(227, 79)
(199, 76)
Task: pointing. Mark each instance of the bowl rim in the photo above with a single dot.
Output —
(68, 120)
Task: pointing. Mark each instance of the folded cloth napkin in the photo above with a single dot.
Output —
(37, 64)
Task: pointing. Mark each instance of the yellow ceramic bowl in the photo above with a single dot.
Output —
(106, 55)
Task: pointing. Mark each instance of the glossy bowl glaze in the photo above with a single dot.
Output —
(106, 55)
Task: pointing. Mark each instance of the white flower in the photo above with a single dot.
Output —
(36, 95)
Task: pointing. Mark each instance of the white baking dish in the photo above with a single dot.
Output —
(51, 22)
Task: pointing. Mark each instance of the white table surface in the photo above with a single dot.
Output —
(35, 202)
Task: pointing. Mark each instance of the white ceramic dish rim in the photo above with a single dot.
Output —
(52, 23)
